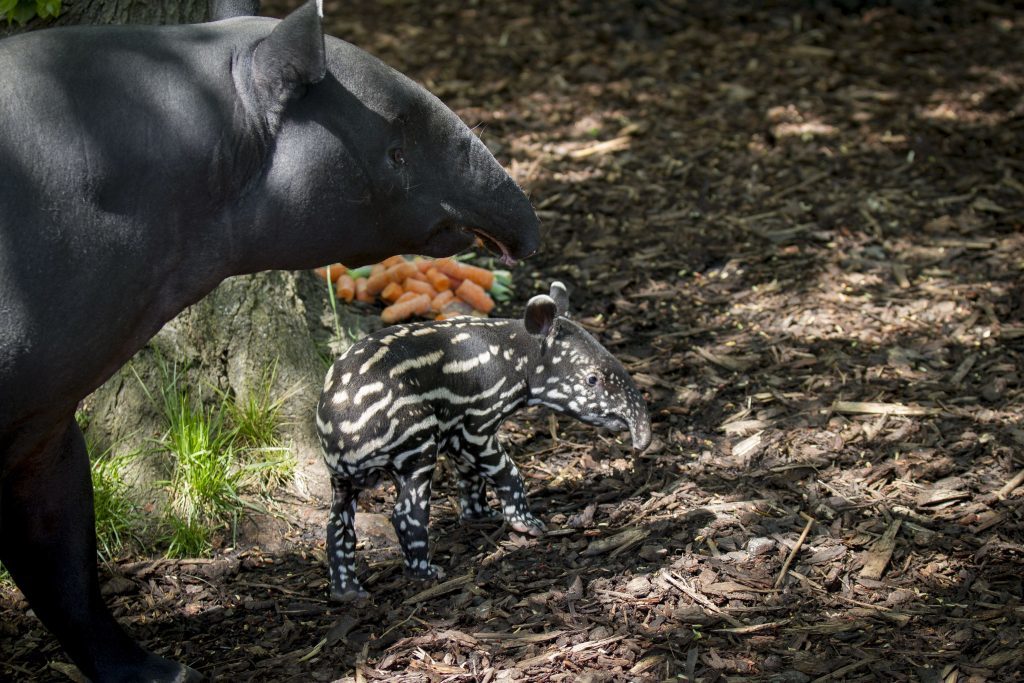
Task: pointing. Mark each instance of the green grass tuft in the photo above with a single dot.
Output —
(219, 451)
(204, 487)
(117, 516)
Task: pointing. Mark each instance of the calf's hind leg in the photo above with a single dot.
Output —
(411, 517)
(341, 543)
(48, 543)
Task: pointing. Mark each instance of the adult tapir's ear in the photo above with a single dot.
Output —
(291, 57)
(225, 9)
(540, 315)
(561, 297)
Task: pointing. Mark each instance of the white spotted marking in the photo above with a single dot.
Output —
(457, 366)
(381, 352)
(418, 362)
(366, 390)
(354, 426)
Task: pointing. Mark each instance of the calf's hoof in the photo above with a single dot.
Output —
(350, 594)
(527, 525)
(487, 514)
(425, 571)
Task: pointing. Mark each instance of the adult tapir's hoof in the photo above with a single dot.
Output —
(154, 670)
(190, 675)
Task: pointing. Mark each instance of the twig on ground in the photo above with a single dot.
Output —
(1008, 488)
(794, 551)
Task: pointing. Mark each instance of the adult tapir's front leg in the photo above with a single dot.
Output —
(48, 543)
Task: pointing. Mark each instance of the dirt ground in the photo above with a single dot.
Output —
(801, 231)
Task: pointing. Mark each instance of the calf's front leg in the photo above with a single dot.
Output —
(473, 491)
(498, 470)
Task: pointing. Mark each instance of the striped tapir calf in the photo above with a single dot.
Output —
(397, 398)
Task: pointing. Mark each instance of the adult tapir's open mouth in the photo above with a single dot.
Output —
(494, 244)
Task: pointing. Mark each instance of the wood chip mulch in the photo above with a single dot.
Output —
(801, 229)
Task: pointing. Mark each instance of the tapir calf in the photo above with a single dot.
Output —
(141, 166)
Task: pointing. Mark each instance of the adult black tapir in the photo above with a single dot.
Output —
(140, 166)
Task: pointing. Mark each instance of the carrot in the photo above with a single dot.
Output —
(392, 261)
(438, 302)
(361, 293)
(438, 280)
(445, 265)
(474, 295)
(331, 272)
(424, 264)
(400, 311)
(391, 292)
(456, 307)
(345, 288)
(377, 281)
(406, 296)
(401, 271)
(464, 271)
(481, 276)
(419, 286)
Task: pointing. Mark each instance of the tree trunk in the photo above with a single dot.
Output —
(74, 12)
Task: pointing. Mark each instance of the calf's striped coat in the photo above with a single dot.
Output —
(397, 398)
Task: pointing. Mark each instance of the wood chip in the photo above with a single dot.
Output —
(875, 408)
(879, 556)
(440, 589)
(617, 543)
(608, 146)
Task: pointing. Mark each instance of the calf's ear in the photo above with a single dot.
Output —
(291, 57)
(540, 315)
(561, 297)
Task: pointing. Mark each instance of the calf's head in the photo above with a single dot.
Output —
(384, 164)
(579, 377)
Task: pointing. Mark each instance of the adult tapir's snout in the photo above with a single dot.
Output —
(493, 207)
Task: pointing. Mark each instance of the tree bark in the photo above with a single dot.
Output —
(74, 12)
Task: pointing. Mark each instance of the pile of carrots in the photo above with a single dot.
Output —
(438, 288)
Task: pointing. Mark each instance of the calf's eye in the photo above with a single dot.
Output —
(397, 156)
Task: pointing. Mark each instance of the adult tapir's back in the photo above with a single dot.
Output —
(97, 124)
(142, 165)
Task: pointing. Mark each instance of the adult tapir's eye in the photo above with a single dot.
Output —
(397, 156)
(592, 380)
